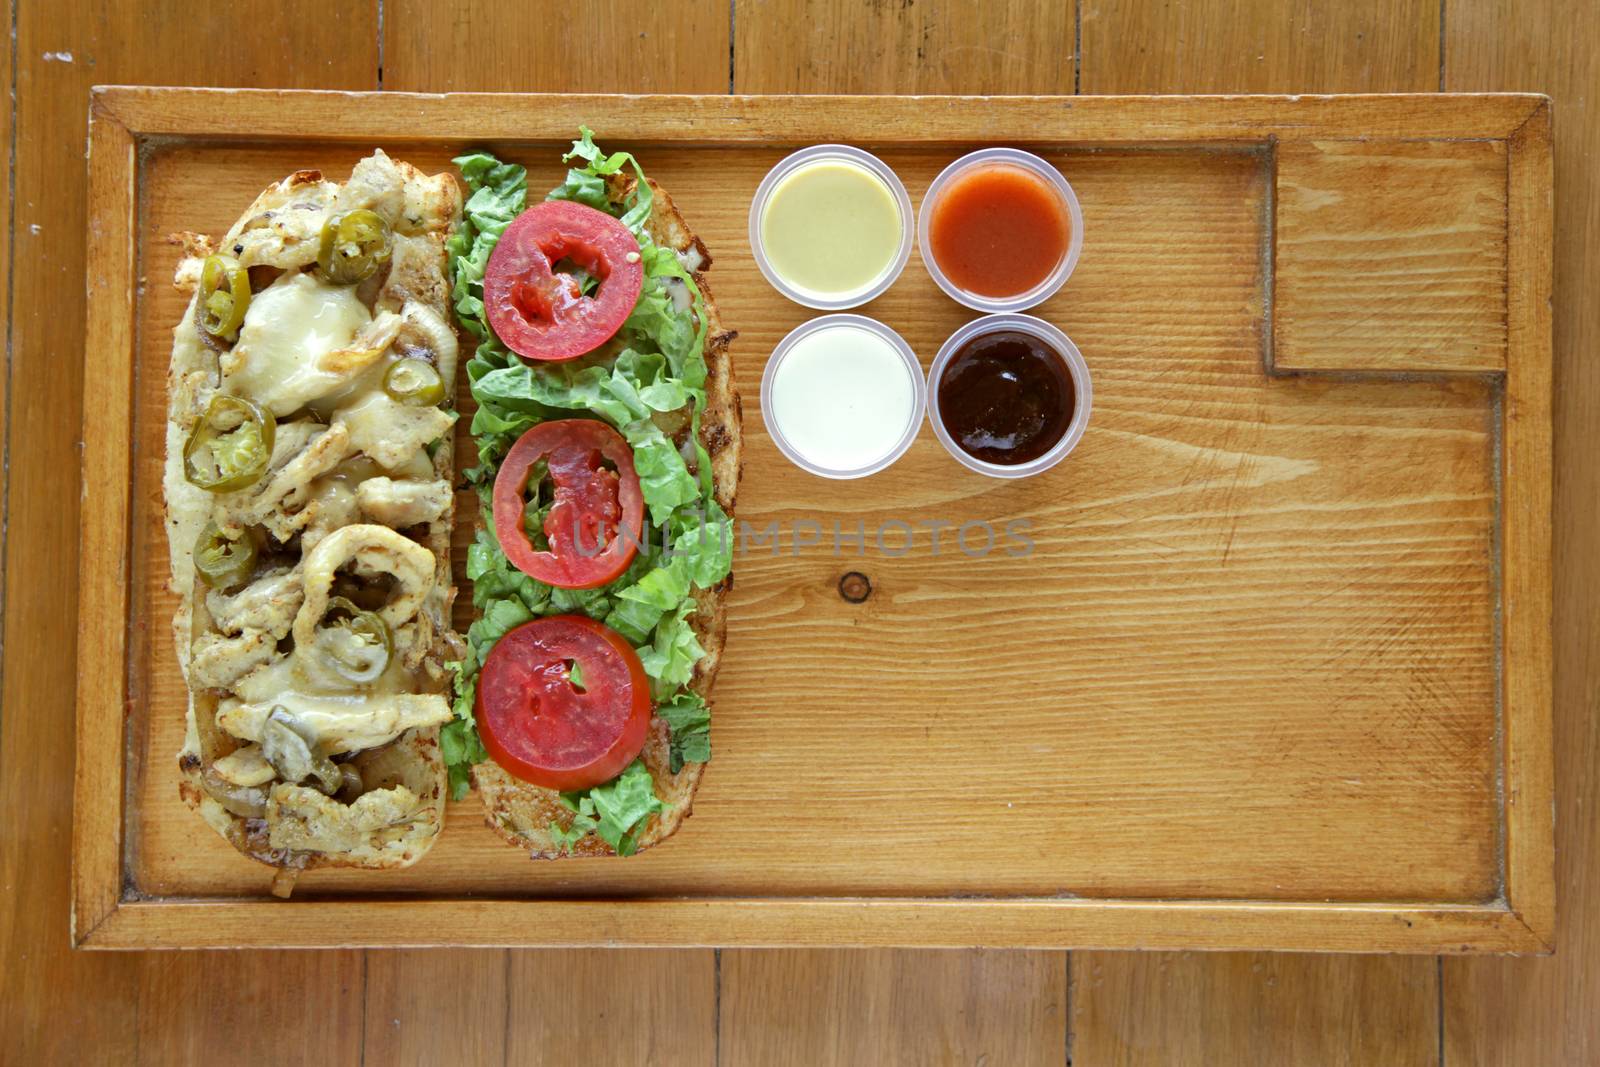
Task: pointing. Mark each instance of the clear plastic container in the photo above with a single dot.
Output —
(1076, 367)
(833, 301)
(1054, 281)
(893, 445)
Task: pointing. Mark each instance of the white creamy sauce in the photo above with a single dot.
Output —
(843, 397)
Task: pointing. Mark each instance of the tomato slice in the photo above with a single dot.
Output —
(542, 313)
(544, 729)
(593, 506)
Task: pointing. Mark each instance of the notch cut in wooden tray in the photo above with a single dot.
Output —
(1276, 673)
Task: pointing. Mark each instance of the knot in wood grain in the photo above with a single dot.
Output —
(855, 586)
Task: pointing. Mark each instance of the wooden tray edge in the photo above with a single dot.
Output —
(1039, 924)
(120, 117)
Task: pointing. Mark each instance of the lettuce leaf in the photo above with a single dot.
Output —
(459, 742)
(689, 720)
(654, 365)
(617, 811)
(499, 192)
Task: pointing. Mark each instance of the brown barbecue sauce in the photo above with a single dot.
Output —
(1006, 397)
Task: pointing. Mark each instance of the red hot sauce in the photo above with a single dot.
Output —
(998, 230)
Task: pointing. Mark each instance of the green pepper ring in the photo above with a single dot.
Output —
(207, 431)
(364, 623)
(213, 318)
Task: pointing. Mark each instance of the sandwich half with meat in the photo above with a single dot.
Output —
(309, 503)
(607, 429)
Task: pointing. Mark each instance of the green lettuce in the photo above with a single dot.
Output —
(690, 722)
(654, 365)
(616, 811)
(499, 192)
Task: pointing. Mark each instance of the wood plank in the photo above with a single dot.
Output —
(1260, 46)
(597, 1006)
(1237, 1008)
(248, 1008)
(1526, 539)
(1547, 1011)
(608, 46)
(840, 1007)
(63, 1006)
(1125, 1009)
(1390, 257)
(430, 1006)
(7, 134)
(103, 512)
(937, 46)
(782, 923)
(640, 121)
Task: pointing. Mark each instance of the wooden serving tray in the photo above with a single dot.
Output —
(1276, 673)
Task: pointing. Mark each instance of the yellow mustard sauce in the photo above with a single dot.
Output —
(831, 228)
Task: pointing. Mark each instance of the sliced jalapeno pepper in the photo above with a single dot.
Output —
(358, 645)
(230, 447)
(354, 245)
(415, 382)
(291, 750)
(224, 296)
(223, 562)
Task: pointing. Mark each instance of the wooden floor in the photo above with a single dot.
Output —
(747, 1007)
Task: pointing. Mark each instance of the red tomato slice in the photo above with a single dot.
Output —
(543, 729)
(539, 312)
(593, 507)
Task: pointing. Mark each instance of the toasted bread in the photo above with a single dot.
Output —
(522, 813)
(400, 807)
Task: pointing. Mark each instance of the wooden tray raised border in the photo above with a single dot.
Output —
(1521, 919)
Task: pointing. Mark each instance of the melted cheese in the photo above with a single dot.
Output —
(339, 719)
(290, 327)
(339, 723)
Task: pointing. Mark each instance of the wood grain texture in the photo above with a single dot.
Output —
(8, 139)
(1253, 1008)
(1547, 1012)
(1260, 46)
(1390, 257)
(656, 1009)
(103, 513)
(612, 46)
(428, 1007)
(1128, 1010)
(1243, 522)
(249, 1008)
(56, 1005)
(879, 1007)
(1535, 1012)
(901, 46)
(1227, 122)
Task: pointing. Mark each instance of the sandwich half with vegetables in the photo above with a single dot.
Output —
(608, 437)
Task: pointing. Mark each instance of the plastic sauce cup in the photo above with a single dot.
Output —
(784, 183)
(843, 396)
(1054, 339)
(1052, 177)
